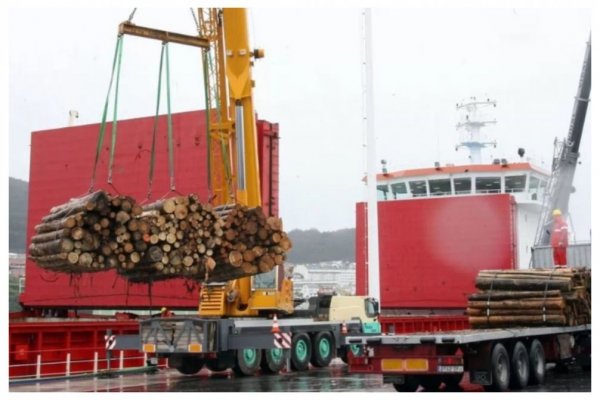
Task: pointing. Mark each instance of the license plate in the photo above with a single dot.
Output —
(451, 368)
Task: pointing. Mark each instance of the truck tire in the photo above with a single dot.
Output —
(274, 360)
(537, 363)
(519, 366)
(186, 365)
(411, 384)
(500, 365)
(355, 349)
(301, 352)
(323, 348)
(247, 362)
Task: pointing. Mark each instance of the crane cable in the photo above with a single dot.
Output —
(115, 67)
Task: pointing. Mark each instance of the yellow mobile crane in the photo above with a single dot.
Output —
(218, 337)
(233, 155)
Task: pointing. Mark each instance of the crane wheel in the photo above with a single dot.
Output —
(224, 360)
(323, 348)
(186, 365)
(519, 366)
(537, 363)
(247, 362)
(301, 352)
(274, 360)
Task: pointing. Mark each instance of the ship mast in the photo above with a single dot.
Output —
(471, 125)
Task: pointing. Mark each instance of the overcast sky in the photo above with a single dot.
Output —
(425, 61)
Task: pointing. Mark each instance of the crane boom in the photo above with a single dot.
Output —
(233, 151)
(566, 156)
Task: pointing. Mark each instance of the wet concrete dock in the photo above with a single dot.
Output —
(332, 379)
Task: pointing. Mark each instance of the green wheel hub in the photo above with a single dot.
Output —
(249, 356)
(355, 349)
(324, 347)
(276, 354)
(301, 350)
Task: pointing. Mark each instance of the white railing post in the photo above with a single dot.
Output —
(68, 367)
(145, 359)
(121, 359)
(38, 367)
(95, 362)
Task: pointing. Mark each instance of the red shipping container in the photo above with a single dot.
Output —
(430, 250)
(61, 168)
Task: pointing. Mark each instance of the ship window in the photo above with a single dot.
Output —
(533, 184)
(487, 185)
(462, 185)
(439, 187)
(514, 183)
(399, 189)
(382, 192)
(418, 188)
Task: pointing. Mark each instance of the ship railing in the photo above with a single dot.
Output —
(56, 362)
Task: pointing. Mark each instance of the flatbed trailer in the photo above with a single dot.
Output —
(498, 359)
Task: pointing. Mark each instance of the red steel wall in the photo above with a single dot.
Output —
(61, 168)
(430, 250)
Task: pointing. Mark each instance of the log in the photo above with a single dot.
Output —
(516, 321)
(507, 295)
(521, 284)
(51, 236)
(552, 303)
(48, 248)
(67, 222)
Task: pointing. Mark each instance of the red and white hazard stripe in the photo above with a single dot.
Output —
(111, 341)
(282, 340)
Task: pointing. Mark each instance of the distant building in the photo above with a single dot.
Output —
(338, 276)
(16, 265)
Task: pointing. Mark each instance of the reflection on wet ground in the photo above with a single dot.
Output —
(332, 379)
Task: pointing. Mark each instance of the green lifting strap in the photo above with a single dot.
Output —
(153, 150)
(170, 124)
(113, 142)
(105, 112)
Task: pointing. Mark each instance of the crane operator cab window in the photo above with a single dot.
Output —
(267, 280)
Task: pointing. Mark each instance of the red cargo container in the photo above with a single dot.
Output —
(430, 250)
(61, 168)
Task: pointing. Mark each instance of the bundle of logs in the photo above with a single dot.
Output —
(536, 297)
(171, 238)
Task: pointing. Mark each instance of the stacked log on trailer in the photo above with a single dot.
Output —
(171, 238)
(536, 297)
(87, 234)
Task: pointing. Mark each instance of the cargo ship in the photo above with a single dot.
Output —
(61, 330)
(439, 226)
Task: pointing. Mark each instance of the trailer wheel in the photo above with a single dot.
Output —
(431, 383)
(186, 365)
(411, 384)
(500, 364)
(519, 366)
(537, 363)
(322, 352)
(301, 352)
(273, 360)
(247, 362)
(452, 381)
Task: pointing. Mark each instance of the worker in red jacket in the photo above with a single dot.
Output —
(559, 239)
